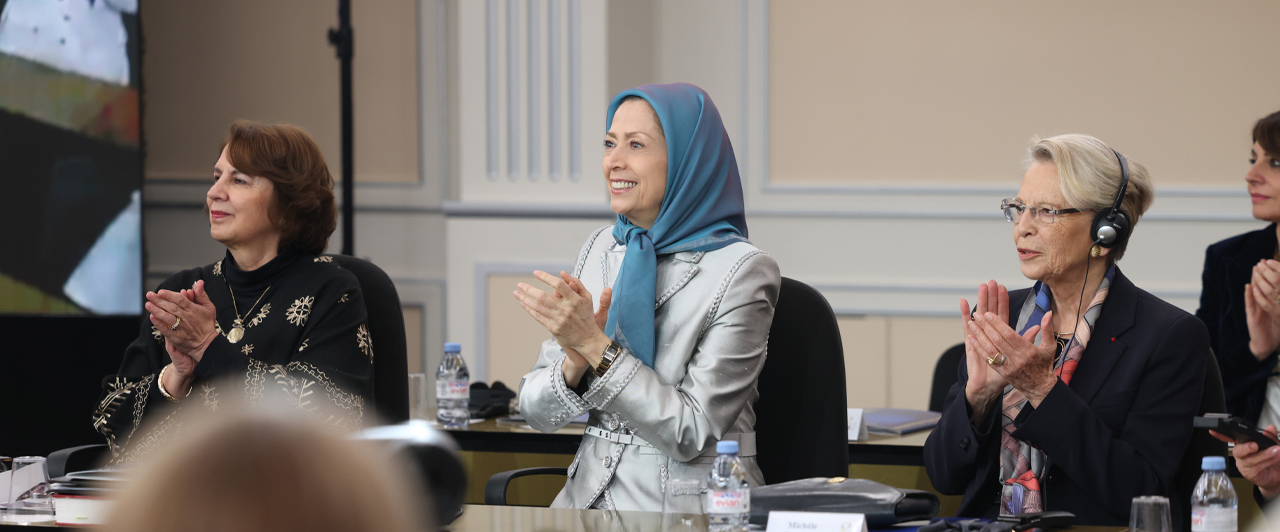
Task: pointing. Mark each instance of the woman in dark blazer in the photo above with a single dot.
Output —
(1241, 284)
(1076, 394)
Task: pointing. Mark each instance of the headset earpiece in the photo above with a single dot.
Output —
(1111, 226)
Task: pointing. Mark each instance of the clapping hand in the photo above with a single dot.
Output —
(186, 319)
(998, 355)
(1262, 310)
(567, 313)
(984, 382)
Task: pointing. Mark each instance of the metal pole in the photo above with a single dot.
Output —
(342, 39)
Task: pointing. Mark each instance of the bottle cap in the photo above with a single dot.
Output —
(452, 347)
(1213, 463)
(727, 447)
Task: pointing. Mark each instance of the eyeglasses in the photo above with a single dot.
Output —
(1013, 210)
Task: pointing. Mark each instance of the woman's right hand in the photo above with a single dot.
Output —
(575, 365)
(1262, 312)
(985, 384)
(1262, 468)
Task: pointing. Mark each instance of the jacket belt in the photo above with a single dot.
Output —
(746, 440)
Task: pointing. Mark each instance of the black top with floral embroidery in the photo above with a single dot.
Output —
(306, 344)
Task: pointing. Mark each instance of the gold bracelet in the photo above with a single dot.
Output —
(164, 392)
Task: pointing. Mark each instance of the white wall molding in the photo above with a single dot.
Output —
(887, 298)
(531, 79)
(528, 210)
(429, 295)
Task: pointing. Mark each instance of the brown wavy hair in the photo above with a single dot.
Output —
(302, 207)
(1267, 134)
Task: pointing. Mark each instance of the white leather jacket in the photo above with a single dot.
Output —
(650, 426)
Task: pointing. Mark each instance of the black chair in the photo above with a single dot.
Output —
(944, 376)
(390, 363)
(801, 415)
(801, 422)
(386, 327)
(1212, 400)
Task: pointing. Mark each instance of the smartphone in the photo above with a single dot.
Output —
(1235, 428)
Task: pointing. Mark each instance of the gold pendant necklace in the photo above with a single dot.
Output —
(237, 326)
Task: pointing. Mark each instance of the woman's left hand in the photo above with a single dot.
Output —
(197, 314)
(567, 315)
(1027, 366)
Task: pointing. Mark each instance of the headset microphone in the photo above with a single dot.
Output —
(1111, 226)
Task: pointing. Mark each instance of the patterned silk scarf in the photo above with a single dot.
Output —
(1022, 465)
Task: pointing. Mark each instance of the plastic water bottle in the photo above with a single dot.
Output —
(453, 388)
(728, 498)
(1213, 503)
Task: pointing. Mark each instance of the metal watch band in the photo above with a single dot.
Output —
(606, 359)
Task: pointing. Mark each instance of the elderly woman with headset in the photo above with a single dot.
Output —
(1063, 404)
(667, 365)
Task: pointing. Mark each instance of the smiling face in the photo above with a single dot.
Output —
(1264, 184)
(1050, 252)
(635, 163)
(238, 207)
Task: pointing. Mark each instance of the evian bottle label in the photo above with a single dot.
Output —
(727, 502)
(453, 390)
(1213, 519)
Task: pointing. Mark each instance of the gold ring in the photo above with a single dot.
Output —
(1278, 300)
(997, 360)
(175, 325)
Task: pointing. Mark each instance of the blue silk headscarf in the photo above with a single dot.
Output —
(701, 210)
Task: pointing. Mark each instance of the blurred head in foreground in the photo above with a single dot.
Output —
(268, 471)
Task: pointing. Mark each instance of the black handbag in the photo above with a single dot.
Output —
(883, 505)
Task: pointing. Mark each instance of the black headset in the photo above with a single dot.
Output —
(1111, 227)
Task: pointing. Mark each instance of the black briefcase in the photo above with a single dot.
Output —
(883, 505)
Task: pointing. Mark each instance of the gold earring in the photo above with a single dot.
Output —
(1095, 251)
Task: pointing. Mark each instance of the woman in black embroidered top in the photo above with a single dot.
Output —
(273, 321)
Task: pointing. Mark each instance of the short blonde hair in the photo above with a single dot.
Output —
(1089, 177)
(267, 471)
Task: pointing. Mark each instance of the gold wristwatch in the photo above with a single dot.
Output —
(606, 359)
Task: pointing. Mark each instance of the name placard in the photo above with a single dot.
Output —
(857, 427)
(816, 522)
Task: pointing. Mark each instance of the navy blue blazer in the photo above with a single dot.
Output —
(1228, 265)
(1117, 432)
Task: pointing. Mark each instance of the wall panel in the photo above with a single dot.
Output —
(921, 92)
(209, 63)
(866, 364)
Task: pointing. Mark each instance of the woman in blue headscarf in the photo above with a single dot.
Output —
(667, 364)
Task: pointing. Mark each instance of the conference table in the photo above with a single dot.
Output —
(490, 447)
(480, 518)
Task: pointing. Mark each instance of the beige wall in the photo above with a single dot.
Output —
(513, 336)
(889, 361)
(209, 63)
(631, 44)
(917, 91)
